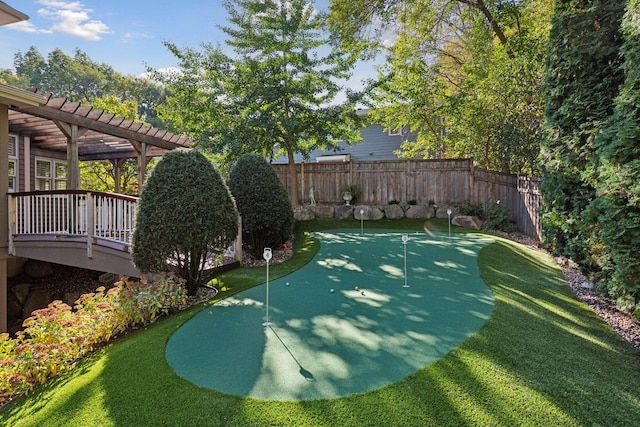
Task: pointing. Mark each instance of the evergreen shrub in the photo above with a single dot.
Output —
(263, 203)
(186, 216)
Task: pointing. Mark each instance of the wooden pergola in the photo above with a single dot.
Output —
(77, 132)
(85, 133)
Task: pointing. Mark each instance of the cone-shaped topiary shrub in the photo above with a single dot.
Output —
(185, 214)
(263, 203)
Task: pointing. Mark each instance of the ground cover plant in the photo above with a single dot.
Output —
(542, 358)
(56, 337)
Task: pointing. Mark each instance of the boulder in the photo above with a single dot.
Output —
(14, 308)
(37, 299)
(301, 213)
(15, 266)
(343, 212)
(417, 211)
(442, 212)
(323, 211)
(70, 298)
(368, 213)
(466, 221)
(393, 212)
(38, 269)
(21, 291)
(108, 278)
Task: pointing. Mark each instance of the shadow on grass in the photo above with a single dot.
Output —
(543, 358)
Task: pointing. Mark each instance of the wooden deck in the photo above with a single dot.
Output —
(90, 230)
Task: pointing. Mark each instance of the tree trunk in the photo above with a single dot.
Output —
(294, 178)
(479, 4)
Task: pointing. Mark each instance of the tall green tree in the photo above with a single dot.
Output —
(582, 78)
(81, 79)
(616, 208)
(466, 76)
(275, 94)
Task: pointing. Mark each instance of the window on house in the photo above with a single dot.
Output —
(395, 131)
(51, 175)
(13, 163)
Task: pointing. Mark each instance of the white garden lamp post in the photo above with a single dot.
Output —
(361, 221)
(449, 215)
(267, 255)
(405, 239)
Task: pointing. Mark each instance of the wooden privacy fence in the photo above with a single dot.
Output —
(443, 181)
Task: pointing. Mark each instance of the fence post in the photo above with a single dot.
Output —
(472, 183)
(406, 181)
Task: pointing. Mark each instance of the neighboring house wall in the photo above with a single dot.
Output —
(376, 144)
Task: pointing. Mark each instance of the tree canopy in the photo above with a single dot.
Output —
(81, 79)
(465, 75)
(275, 93)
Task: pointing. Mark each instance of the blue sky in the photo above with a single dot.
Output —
(126, 34)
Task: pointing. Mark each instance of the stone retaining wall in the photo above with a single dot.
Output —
(371, 212)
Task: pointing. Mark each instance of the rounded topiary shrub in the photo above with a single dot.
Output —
(263, 203)
(185, 215)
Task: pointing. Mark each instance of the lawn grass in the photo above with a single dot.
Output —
(542, 358)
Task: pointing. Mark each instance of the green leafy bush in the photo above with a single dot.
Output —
(471, 209)
(186, 215)
(54, 338)
(498, 217)
(354, 190)
(263, 203)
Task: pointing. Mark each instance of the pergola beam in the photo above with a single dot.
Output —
(145, 133)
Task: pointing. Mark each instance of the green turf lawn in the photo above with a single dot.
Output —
(543, 358)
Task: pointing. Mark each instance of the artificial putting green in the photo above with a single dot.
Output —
(329, 339)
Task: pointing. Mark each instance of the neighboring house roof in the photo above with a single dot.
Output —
(9, 15)
(106, 136)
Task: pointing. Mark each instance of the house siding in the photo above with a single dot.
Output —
(376, 144)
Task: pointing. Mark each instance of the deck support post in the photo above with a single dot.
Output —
(90, 223)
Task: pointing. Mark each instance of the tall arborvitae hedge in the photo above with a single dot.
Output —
(263, 203)
(185, 214)
(617, 207)
(581, 81)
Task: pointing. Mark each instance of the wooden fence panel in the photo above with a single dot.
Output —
(530, 206)
(452, 181)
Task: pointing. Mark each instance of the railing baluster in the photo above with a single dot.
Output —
(107, 217)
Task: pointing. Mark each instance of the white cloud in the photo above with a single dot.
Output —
(72, 18)
(126, 37)
(76, 5)
(26, 27)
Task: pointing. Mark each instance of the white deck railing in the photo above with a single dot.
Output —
(94, 216)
